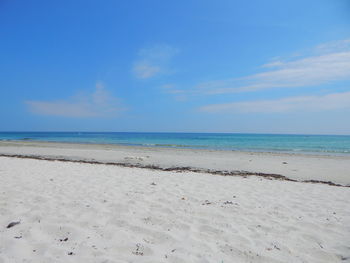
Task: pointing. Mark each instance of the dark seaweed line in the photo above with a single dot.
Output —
(172, 169)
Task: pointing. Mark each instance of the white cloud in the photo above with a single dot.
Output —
(144, 70)
(333, 46)
(334, 101)
(153, 61)
(179, 94)
(276, 63)
(328, 63)
(98, 104)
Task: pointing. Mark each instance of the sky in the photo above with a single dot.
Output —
(175, 66)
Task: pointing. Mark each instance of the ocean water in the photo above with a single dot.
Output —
(314, 144)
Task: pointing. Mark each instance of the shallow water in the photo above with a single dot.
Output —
(320, 144)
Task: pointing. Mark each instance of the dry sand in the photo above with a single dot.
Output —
(74, 212)
(294, 166)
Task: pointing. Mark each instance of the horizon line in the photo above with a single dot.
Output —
(177, 132)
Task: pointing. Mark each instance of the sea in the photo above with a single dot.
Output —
(308, 144)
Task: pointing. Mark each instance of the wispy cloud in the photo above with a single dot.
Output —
(171, 89)
(327, 63)
(332, 46)
(144, 70)
(179, 94)
(153, 61)
(97, 104)
(333, 101)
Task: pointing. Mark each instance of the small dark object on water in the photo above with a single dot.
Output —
(12, 224)
(18, 237)
(66, 239)
(228, 203)
(153, 183)
(285, 163)
(70, 253)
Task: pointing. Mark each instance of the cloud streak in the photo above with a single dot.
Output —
(329, 63)
(97, 104)
(144, 70)
(179, 94)
(153, 61)
(333, 101)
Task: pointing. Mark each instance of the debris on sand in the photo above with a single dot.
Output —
(12, 224)
(139, 250)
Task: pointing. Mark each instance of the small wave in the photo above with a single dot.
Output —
(174, 145)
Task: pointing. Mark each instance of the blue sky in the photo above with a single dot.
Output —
(176, 66)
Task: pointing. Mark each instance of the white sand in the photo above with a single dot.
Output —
(114, 214)
(294, 166)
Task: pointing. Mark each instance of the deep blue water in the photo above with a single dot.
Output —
(321, 144)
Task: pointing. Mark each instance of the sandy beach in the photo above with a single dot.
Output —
(298, 167)
(74, 212)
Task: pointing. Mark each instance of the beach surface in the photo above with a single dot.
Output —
(301, 167)
(79, 212)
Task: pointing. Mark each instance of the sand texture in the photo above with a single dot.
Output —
(294, 166)
(73, 212)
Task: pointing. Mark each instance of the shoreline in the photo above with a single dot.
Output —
(176, 169)
(6, 142)
(331, 170)
(190, 147)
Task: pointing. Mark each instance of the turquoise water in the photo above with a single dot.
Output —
(320, 144)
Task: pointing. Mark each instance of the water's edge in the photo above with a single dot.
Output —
(72, 145)
(184, 146)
